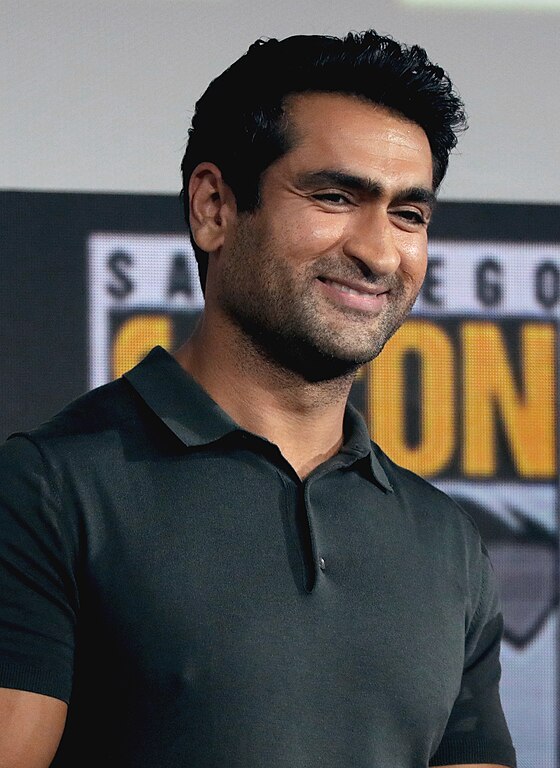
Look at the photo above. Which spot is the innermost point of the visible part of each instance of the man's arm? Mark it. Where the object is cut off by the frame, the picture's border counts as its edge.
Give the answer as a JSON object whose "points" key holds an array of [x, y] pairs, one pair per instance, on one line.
{"points": [[37, 609], [31, 726], [477, 730]]}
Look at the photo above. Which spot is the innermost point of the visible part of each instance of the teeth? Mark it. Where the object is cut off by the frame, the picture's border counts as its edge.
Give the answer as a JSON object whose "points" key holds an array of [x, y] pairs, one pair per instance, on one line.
{"points": [[346, 289]]}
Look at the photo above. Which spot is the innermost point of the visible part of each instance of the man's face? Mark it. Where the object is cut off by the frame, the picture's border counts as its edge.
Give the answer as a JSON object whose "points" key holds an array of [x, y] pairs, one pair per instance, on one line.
{"points": [[329, 265]]}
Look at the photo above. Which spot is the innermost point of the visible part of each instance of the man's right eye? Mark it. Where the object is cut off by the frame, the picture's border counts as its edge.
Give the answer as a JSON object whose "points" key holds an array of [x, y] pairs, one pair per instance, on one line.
{"points": [[337, 198]]}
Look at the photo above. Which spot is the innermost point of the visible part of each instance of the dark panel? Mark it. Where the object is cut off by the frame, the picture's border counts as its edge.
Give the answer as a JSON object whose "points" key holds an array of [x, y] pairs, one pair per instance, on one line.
{"points": [[43, 291]]}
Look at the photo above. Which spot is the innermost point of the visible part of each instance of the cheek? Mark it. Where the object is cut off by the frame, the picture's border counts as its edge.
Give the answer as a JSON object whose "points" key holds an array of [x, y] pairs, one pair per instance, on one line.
{"points": [[314, 236], [414, 257]]}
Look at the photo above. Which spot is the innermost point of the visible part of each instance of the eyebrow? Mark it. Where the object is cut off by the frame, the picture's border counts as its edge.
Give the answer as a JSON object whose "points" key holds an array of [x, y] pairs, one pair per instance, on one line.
{"points": [[366, 186]]}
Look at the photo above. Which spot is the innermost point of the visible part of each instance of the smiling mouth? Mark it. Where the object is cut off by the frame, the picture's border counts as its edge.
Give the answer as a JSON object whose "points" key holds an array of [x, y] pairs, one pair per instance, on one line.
{"points": [[354, 295], [365, 290]]}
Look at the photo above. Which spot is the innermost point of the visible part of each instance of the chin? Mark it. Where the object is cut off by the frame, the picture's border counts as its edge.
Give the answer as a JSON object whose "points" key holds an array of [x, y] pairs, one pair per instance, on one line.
{"points": [[316, 364]]}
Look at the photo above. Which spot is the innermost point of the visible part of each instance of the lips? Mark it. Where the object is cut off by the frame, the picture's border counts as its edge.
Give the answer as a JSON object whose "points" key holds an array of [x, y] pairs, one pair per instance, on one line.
{"points": [[358, 289], [355, 294]]}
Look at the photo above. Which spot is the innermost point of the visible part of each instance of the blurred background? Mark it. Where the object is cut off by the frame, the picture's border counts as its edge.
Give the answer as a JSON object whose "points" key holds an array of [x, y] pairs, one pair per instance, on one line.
{"points": [[96, 99]]}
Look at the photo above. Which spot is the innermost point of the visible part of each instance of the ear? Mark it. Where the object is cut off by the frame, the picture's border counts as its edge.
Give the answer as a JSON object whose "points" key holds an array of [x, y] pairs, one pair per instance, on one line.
{"points": [[211, 207]]}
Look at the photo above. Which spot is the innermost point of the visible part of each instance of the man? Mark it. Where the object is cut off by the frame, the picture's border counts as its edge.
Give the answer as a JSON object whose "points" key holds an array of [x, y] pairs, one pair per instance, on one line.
{"points": [[208, 559]]}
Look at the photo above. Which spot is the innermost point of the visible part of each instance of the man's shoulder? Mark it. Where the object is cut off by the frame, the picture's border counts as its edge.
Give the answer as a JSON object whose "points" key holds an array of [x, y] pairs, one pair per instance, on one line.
{"points": [[92, 420], [92, 412], [430, 504]]}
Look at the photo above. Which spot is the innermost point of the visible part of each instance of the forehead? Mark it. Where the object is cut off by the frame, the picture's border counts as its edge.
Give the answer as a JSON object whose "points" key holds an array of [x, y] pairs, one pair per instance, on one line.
{"points": [[353, 134]]}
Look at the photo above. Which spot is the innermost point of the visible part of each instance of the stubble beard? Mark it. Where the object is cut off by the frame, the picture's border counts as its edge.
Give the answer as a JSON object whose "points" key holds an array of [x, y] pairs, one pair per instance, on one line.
{"points": [[284, 322]]}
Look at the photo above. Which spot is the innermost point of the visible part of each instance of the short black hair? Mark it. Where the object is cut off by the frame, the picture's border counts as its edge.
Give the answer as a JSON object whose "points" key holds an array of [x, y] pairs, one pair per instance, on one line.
{"points": [[239, 125]]}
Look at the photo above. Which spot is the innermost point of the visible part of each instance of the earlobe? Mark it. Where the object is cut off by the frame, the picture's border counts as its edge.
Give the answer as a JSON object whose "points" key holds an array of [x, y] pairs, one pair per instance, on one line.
{"points": [[210, 200]]}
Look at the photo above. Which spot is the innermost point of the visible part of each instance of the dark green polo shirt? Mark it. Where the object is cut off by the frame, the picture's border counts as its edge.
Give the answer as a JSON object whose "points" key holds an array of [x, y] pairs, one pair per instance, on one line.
{"points": [[199, 606]]}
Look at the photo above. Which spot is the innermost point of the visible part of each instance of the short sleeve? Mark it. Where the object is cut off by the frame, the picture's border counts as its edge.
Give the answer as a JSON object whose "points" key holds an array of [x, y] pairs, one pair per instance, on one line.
{"points": [[38, 595], [477, 731]]}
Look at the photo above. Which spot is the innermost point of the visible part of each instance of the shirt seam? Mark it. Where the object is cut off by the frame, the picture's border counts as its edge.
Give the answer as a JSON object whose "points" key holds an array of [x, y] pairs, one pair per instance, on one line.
{"points": [[50, 477], [476, 616], [287, 510]]}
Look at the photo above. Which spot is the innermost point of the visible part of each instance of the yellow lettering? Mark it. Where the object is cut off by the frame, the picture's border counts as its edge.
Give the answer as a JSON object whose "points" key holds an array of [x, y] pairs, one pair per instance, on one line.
{"points": [[527, 412], [387, 396], [136, 336]]}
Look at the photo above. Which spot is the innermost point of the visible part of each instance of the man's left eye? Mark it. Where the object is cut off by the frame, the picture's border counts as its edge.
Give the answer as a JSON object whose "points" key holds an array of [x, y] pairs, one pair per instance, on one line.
{"points": [[414, 217]]}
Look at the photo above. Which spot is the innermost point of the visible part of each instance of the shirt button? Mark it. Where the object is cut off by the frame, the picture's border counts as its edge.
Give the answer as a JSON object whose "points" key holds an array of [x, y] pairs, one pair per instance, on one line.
{"points": [[322, 564]]}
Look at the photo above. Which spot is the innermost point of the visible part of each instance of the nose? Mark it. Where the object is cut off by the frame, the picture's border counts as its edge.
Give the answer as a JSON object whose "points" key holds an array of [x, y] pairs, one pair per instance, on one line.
{"points": [[370, 240]]}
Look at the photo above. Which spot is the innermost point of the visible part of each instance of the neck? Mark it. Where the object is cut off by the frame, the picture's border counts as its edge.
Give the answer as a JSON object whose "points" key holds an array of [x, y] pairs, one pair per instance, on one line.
{"points": [[304, 419]]}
